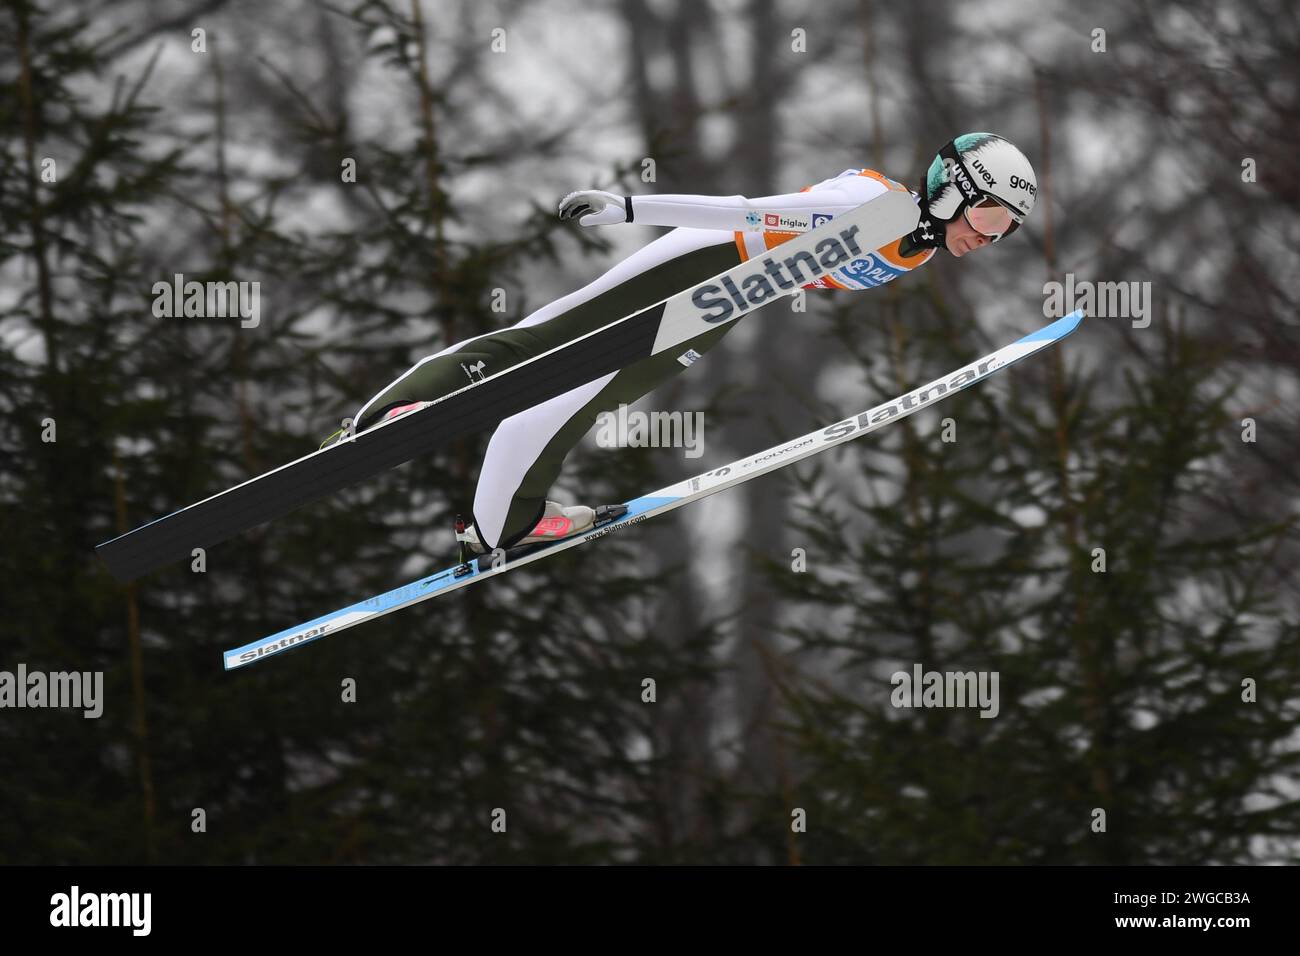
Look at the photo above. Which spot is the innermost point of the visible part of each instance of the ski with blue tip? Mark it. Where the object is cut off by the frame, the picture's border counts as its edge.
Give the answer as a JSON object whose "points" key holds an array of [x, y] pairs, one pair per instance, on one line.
{"points": [[659, 502]]}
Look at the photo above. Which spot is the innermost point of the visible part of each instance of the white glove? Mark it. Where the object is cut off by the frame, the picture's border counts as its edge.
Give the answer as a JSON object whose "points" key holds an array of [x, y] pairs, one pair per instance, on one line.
{"points": [[591, 207]]}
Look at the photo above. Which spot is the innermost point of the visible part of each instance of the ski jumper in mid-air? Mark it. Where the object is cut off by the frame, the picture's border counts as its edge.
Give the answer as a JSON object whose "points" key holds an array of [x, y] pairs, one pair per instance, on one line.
{"points": [[977, 190]]}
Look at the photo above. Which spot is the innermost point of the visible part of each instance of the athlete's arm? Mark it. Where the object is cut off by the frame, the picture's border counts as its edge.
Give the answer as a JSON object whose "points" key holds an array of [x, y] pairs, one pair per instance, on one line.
{"points": [[788, 212]]}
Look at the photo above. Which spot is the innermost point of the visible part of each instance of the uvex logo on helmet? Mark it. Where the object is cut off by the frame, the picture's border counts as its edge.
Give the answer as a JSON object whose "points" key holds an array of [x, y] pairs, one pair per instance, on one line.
{"points": [[958, 176], [984, 172]]}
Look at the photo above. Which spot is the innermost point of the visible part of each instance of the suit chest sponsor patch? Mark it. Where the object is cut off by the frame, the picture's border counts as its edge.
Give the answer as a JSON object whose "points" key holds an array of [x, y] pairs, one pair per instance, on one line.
{"points": [[867, 272]]}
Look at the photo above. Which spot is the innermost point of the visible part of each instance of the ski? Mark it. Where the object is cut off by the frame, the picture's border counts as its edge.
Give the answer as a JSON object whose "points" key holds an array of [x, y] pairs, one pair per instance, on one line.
{"points": [[477, 406], [664, 500]]}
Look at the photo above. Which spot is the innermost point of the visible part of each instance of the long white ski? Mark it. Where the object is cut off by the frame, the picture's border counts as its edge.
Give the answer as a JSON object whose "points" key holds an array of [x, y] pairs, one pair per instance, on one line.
{"points": [[666, 499]]}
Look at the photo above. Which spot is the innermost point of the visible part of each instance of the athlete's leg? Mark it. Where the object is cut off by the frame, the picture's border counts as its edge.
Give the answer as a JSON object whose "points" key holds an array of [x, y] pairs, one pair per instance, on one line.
{"points": [[527, 450], [437, 375], [657, 270]]}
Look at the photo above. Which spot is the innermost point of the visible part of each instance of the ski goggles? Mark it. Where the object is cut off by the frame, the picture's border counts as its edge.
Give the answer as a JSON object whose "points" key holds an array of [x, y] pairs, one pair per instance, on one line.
{"points": [[990, 218]]}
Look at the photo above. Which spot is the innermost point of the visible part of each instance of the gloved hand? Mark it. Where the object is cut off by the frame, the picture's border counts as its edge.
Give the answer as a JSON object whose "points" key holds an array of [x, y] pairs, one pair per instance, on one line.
{"points": [[592, 207]]}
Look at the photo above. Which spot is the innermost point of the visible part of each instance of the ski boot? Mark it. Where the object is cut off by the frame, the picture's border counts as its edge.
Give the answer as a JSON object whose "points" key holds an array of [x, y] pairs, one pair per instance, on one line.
{"points": [[558, 522], [395, 412]]}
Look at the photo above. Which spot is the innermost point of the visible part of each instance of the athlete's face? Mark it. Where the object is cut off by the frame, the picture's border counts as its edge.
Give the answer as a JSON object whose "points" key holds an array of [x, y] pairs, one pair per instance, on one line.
{"points": [[961, 238]]}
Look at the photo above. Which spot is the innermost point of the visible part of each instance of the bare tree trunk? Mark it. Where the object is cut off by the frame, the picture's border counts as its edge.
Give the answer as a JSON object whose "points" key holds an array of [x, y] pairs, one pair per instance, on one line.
{"points": [[772, 359], [139, 717], [669, 118]]}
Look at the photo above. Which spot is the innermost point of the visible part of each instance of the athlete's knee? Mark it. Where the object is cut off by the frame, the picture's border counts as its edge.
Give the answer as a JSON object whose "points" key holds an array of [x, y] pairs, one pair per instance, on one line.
{"points": [[501, 520]]}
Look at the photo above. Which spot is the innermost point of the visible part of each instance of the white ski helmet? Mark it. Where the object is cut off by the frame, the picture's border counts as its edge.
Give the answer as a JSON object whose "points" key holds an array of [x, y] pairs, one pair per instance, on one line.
{"points": [[979, 166]]}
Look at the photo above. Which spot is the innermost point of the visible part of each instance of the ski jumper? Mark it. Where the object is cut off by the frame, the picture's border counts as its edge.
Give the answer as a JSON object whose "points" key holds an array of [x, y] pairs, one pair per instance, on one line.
{"points": [[710, 234]]}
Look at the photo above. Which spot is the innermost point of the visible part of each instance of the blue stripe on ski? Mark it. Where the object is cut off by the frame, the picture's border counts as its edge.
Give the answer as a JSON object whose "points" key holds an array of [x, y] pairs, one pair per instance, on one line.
{"points": [[389, 600], [1058, 329], [639, 506]]}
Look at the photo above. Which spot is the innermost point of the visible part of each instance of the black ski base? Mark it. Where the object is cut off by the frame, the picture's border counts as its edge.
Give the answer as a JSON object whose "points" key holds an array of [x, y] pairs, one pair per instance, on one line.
{"points": [[473, 409]]}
